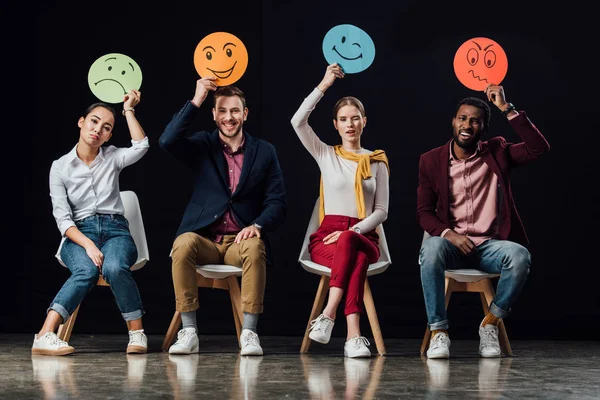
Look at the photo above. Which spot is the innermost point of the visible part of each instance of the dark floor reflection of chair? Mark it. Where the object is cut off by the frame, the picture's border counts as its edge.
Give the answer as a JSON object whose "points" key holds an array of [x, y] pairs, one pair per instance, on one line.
{"points": [[247, 371], [493, 377], [55, 375], [181, 373], [136, 369]]}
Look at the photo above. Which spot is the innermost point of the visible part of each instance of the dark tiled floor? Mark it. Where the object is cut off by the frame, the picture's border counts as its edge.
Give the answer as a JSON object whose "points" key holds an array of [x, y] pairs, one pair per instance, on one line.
{"points": [[100, 369]]}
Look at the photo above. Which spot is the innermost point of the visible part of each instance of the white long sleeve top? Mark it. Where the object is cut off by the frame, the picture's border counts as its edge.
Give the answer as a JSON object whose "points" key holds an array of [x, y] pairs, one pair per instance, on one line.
{"points": [[339, 174]]}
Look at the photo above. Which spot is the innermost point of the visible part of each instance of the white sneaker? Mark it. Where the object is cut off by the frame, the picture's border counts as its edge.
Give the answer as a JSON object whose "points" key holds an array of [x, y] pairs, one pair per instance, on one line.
{"points": [[320, 330], [50, 345], [138, 342], [357, 347], [439, 346], [187, 342], [250, 344], [489, 346]]}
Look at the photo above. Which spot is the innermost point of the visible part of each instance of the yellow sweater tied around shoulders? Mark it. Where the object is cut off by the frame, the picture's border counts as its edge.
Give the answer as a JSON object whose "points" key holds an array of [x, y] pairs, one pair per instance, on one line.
{"points": [[363, 171]]}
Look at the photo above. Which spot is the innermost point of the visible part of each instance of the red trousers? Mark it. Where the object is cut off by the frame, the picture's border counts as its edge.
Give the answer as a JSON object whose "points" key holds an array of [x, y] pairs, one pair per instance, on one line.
{"points": [[348, 258]]}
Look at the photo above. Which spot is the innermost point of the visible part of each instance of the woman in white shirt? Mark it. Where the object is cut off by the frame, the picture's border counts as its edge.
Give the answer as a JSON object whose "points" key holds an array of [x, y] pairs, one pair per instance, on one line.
{"points": [[354, 201], [87, 207]]}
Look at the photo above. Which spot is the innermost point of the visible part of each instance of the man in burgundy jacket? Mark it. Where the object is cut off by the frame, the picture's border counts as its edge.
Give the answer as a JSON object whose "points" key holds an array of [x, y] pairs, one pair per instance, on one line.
{"points": [[465, 205]]}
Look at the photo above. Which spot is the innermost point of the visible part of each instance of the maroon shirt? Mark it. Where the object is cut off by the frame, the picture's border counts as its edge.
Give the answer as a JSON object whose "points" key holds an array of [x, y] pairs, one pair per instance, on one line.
{"points": [[226, 225]]}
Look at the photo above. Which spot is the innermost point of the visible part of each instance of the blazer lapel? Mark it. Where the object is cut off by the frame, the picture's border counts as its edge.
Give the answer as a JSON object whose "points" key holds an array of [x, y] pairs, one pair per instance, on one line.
{"points": [[249, 156], [219, 159], [491, 161], [444, 161]]}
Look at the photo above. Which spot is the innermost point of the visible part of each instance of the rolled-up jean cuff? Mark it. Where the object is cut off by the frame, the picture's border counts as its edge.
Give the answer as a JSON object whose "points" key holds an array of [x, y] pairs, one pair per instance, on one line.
{"points": [[439, 325], [497, 311], [132, 316], [64, 314]]}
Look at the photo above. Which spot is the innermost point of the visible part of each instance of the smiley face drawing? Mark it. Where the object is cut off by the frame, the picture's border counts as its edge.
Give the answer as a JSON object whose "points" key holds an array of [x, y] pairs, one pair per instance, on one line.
{"points": [[350, 47], [113, 75], [480, 61], [222, 55]]}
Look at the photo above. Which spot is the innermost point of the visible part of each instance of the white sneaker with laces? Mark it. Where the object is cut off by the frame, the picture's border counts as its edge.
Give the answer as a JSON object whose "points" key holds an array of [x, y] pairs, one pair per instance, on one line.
{"points": [[321, 328], [138, 342], [488, 341], [439, 346], [250, 344], [357, 347], [50, 345], [187, 342]]}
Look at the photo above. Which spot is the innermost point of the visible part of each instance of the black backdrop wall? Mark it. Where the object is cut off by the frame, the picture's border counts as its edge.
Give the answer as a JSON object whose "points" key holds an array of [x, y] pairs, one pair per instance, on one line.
{"points": [[409, 93]]}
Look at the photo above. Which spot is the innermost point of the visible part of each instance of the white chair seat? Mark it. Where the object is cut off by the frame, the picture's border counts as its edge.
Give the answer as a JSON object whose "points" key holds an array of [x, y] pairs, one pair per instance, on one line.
{"points": [[218, 271], [469, 275], [313, 267]]}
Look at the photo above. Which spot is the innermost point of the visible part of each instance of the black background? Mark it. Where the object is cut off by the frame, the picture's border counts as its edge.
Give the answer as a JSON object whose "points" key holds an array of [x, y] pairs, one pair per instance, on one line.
{"points": [[409, 92]]}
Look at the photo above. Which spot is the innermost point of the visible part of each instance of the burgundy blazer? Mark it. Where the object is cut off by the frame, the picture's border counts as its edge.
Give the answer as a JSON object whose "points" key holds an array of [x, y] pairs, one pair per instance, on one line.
{"points": [[433, 191]]}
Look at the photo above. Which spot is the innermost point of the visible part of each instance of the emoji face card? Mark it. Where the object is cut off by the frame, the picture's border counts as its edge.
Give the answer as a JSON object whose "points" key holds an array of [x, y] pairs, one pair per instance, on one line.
{"points": [[223, 55], [480, 61]]}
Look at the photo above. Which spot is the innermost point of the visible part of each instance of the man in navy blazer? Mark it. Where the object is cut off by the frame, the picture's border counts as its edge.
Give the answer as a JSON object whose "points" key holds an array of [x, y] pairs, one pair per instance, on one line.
{"points": [[238, 196], [465, 202]]}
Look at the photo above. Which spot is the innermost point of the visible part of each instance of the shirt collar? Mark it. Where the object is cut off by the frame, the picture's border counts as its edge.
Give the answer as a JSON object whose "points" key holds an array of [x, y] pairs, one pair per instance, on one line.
{"points": [[228, 150], [72, 155], [476, 154]]}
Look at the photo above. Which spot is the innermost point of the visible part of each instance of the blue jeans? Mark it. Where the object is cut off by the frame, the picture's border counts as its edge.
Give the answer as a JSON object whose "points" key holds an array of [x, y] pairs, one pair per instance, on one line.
{"points": [[509, 259], [110, 233]]}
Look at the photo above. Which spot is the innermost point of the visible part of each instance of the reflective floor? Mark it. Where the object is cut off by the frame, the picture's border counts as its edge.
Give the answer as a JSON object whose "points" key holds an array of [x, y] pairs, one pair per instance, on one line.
{"points": [[101, 369]]}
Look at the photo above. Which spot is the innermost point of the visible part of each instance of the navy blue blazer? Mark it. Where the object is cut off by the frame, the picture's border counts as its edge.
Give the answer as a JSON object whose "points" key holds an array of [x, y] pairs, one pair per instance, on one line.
{"points": [[260, 194]]}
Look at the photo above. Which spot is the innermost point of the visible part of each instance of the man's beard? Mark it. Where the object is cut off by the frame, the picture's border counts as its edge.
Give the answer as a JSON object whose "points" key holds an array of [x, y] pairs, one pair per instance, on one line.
{"points": [[469, 144], [236, 132]]}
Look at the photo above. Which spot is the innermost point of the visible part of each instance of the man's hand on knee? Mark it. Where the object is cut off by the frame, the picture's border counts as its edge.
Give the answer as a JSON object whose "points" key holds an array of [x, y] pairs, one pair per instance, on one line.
{"points": [[246, 233]]}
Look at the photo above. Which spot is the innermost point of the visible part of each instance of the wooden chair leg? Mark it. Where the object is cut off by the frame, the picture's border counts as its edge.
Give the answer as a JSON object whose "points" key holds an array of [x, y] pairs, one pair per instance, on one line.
{"points": [[486, 299], [236, 305], [503, 338], [426, 340], [449, 287], [373, 320], [172, 331], [65, 329], [316, 310]]}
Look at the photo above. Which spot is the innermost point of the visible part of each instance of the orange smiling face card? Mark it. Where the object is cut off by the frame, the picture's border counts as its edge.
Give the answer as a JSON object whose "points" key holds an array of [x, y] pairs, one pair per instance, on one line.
{"points": [[479, 62], [223, 55]]}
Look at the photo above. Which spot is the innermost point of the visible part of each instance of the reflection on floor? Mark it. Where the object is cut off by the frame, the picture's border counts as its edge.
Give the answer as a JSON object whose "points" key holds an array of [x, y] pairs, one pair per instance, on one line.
{"points": [[101, 369]]}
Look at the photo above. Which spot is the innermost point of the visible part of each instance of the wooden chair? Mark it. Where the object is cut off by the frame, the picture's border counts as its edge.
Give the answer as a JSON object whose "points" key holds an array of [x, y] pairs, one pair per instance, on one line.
{"points": [[133, 213], [216, 276], [325, 273], [473, 281]]}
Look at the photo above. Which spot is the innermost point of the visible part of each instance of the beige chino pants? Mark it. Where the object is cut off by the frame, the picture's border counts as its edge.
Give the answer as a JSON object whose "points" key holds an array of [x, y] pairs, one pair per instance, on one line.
{"points": [[190, 249]]}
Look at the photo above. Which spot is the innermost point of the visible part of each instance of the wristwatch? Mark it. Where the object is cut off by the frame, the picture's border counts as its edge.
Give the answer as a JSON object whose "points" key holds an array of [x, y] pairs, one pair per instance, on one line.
{"points": [[510, 108], [356, 229], [257, 226]]}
